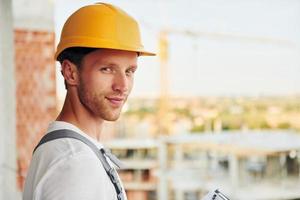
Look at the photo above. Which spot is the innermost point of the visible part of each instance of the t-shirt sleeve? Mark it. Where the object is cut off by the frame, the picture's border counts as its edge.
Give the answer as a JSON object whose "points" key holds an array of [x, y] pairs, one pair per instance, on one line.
{"points": [[79, 177]]}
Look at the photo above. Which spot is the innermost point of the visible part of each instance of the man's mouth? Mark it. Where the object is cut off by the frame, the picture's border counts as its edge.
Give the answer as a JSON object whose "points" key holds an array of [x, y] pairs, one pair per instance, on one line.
{"points": [[116, 101]]}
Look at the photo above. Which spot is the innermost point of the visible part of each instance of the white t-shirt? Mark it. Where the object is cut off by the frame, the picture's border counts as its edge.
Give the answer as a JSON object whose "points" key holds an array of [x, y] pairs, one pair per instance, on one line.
{"points": [[66, 169]]}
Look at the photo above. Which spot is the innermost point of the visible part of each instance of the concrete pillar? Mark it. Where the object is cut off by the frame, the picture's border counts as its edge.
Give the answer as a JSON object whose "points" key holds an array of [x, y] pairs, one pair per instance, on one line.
{"points": [[234, 173], [8, 187], [179, 193], [163, 179]]}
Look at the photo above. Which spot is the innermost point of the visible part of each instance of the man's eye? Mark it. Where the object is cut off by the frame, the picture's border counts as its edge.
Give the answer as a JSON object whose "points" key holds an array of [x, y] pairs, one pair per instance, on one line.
{"points": [[106, 69], [130, 72]]}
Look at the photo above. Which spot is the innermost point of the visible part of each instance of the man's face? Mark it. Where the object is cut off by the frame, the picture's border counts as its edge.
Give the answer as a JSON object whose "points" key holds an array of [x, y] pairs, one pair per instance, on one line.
{"points": [[106, 79]]}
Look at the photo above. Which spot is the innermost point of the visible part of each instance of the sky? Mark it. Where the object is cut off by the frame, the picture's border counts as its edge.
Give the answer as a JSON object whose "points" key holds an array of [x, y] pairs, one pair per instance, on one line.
{"points": [[241, 47]]}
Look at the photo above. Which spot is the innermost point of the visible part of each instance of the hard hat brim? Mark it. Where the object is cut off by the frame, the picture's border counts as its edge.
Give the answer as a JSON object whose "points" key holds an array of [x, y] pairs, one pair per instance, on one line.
{"points": [[101, 45]]}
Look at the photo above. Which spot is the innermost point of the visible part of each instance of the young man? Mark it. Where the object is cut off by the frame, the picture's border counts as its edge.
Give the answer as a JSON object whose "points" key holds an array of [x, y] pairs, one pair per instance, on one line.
{"points": [[98, 52]]}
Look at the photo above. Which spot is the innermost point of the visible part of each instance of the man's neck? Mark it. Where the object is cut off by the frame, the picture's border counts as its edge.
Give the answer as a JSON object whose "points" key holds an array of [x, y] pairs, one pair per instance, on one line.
{"points": [[76, 115]]}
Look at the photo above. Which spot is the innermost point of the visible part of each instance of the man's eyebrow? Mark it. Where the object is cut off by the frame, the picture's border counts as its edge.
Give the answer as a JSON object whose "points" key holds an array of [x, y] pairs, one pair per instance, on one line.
{"points": [[133, 66], [112, 64], [103, 62]]}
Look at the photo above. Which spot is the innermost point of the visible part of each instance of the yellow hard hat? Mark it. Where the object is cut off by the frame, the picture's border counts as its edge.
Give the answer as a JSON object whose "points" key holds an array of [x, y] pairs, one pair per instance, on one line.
{"points": [[101, 25]]}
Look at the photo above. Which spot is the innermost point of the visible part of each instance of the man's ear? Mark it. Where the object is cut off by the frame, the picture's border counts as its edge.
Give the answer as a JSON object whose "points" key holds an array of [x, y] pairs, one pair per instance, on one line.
{"points": [[70, 73]]}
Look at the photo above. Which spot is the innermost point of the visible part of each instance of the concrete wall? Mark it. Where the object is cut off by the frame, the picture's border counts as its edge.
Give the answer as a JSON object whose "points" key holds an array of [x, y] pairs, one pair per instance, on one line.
{"points": [[27, 86], [34, 14], [7, 104], [34, 40]]}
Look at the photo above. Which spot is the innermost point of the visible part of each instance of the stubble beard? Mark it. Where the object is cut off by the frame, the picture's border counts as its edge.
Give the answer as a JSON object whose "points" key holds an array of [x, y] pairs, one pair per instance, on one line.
{"points": [[97, 104]]}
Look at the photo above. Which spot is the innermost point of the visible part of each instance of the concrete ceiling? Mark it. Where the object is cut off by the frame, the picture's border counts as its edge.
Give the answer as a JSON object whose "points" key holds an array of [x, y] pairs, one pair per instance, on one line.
{"points": [[34, 14]]}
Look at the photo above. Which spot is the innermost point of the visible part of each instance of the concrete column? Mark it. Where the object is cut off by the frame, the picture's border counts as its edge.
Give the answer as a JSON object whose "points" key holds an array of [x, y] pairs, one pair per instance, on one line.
{"points": [[8, 187], [179, 193], [234, 173], [163, 179]]}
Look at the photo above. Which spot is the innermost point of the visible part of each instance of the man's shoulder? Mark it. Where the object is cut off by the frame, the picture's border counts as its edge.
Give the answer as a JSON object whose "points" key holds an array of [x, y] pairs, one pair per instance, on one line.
{"points": [[63, 161], [63, 148], [74, 174]]}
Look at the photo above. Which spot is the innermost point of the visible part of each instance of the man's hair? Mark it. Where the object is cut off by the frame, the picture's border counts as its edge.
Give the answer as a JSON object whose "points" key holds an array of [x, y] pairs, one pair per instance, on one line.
{"points": [[74, 55]]}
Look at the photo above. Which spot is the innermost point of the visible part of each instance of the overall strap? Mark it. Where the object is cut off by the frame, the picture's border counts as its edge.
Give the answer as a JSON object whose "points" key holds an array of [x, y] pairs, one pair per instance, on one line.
{"points": [[66, 133]]}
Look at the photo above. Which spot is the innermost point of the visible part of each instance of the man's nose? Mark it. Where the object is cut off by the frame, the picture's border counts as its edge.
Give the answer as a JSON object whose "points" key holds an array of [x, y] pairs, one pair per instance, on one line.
{"points": [[120, 83]]}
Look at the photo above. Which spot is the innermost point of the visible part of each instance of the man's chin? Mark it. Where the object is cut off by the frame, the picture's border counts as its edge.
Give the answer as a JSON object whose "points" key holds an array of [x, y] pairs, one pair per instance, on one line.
{"points": [[112, 118]]}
